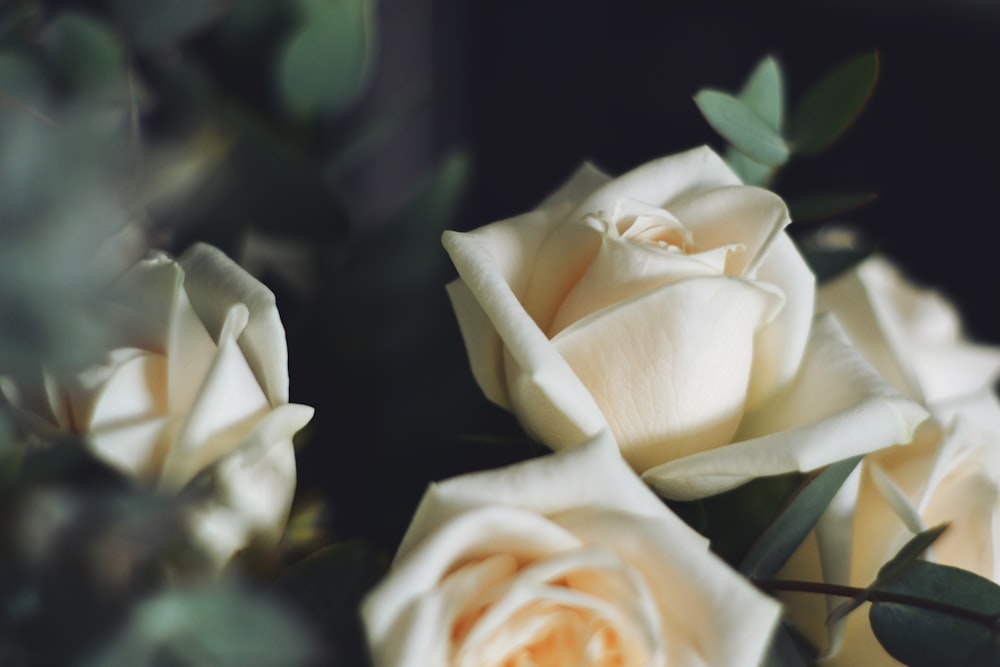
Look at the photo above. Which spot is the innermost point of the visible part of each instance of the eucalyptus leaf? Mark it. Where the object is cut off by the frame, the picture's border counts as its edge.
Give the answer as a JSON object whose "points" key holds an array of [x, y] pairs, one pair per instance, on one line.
{"points": [[220, 626], [958, 630], [325, 64], [799, 516], [910, 551], [831, 105], [85, 53], [742, 127], [750, 172], [764, 92], [818, 207]]}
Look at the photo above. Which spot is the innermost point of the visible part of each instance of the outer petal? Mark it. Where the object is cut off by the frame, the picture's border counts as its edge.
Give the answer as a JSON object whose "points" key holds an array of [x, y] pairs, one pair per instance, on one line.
{"points": [[215, 284], [715, 611], [684, 354], [779, 346], [663, 181], [591, 475], [550, 398], [249, 493], [837, 407], [912, 336]]}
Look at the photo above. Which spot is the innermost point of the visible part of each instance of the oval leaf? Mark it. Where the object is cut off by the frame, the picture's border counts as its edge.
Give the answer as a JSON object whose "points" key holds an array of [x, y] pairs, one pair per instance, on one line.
{"points": [[921, 636], [764, 92], [786, 532], [830, 106], [85, 52], [745, 130], [324, 66], [750, 172]]}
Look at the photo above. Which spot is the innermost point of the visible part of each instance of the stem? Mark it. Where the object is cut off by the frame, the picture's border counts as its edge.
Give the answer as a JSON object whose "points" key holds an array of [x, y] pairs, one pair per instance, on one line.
{"points": [[773, 585]]}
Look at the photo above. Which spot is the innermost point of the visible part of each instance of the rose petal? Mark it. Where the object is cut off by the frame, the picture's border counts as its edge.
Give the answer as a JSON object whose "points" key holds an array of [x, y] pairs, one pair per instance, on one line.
{"points": [[134, 389], [482, 343], [779, 347], [677, 400], [879, 341], [535, 373], [403, 616], [228, 405], [700, 598], [660, 182], [591, 475], [136, 449], [623, 269], [215, 284], [837, 407]]}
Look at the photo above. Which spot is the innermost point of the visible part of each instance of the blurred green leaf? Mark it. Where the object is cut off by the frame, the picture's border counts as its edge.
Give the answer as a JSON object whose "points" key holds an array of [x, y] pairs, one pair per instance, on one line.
{"points": [[85, 53], [764, 92], [22, 84], [742, 127], [923, 636], [329, 585], [830, 106], [156, 24], [750, 172], [325, 64], [798, 517], [219, 626], [818, 207]]}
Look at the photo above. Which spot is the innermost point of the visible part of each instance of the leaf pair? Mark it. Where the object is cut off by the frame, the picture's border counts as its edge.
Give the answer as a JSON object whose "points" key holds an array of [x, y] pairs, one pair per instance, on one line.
{"points": [[753, 121]]}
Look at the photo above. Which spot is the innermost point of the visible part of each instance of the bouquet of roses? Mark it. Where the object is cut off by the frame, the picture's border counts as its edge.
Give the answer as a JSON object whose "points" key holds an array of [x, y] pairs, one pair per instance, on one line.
{"points": [[716, 445]]}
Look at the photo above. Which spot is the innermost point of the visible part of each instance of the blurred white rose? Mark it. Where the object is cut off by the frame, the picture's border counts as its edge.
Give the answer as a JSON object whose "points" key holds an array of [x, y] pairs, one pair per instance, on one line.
{"points": [[563, 560], [669, 306], [950, 473], [196, 385]]}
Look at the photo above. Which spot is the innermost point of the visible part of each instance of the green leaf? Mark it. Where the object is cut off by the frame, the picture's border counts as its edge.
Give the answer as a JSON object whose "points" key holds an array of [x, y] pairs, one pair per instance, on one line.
{"points": [[896, 566], [750, 172], [742, 127], [910, 551], [922, 636], [818, 207], [830, 106], [225, 627], [325, 64], [793, 524], [156, 24], [84, 52], [764, 92]]}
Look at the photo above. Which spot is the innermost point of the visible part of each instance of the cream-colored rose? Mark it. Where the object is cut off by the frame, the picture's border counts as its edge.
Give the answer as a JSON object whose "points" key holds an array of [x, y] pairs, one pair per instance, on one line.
{"points": [[950, 473], [912, 336], [669, 306], [563, 560], [197, 385]]}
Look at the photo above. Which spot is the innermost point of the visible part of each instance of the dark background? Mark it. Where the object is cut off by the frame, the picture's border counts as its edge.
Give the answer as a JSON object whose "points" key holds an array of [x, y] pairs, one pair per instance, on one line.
{"points": [[534, 88]]}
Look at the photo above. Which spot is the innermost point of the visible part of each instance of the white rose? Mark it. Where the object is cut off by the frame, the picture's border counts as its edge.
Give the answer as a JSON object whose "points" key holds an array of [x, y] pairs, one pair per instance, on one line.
{"points": [[669, 306], [563, 560], [913, 337], [950, 472], [197, 384]]}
